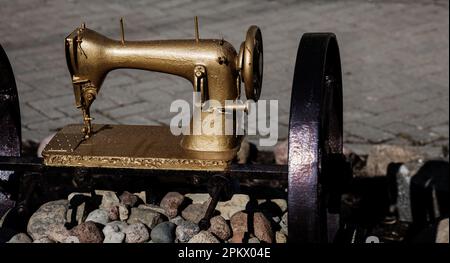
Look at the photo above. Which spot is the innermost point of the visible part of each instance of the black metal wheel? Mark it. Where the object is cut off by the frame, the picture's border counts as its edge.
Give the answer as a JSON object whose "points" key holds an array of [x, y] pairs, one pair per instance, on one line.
{"points": [[315, 140], [10, 127]]}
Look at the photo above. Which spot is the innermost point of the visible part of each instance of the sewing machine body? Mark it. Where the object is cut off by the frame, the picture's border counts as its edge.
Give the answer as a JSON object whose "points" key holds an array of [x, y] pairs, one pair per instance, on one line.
{"points": [[213, 67]]}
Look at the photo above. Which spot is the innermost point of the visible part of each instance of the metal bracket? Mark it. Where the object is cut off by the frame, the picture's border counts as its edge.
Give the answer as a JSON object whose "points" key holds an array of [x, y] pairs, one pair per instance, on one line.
{"points": [[201, 82]]}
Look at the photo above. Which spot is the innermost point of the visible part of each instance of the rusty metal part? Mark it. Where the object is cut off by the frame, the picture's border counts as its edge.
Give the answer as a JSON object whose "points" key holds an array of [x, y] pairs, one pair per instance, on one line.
{"points": [[315, 136], [219, 189], [209, 64], [239, 171], [10, 132], [258, 181], [150, 147]]}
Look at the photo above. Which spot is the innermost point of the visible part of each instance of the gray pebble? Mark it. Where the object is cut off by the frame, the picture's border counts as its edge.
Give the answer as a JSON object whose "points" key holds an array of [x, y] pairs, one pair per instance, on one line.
{"points": [[186, 230], [114, 227], [114, 237], [48, 214], [20, 238], [98, 216], [71, 239], [136, 233], [109, 199], [44, 240], [194, 212], [170, 203], [148, 217], [204, 237], [163, 233], [253, 240], [177, 220], [220, 228], [58, 232], [123, 212]]}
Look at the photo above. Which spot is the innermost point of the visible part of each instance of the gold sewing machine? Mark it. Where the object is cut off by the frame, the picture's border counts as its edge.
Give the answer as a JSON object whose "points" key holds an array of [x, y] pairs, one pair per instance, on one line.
{"points": [[213, 67]]}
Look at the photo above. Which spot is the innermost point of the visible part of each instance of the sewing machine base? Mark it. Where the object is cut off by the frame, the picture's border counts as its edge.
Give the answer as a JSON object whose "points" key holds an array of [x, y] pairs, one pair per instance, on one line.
{"points": [[129, 146]]}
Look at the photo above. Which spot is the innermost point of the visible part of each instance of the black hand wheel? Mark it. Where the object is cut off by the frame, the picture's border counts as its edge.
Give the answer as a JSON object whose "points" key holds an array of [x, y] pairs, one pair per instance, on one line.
{"points": [[315, 138], [10, 127]]}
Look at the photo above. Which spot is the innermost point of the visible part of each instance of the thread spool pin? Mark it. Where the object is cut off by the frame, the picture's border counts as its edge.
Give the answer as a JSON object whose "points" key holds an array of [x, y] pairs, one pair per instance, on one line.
{"points": [[122, 31]]}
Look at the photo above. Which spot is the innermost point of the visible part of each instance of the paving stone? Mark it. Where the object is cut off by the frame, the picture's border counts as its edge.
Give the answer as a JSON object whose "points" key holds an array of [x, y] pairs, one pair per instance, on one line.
{"points": [[370, 134]]}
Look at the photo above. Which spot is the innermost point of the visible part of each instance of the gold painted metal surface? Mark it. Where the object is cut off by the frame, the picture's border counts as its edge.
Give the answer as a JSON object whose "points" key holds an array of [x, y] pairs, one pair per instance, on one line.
{"points": [[211, 65], [131, 146]]}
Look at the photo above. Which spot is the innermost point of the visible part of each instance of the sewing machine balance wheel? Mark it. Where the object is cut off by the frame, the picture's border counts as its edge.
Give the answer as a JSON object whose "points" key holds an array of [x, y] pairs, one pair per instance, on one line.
{"points": [[251, 57], [316, 165]]}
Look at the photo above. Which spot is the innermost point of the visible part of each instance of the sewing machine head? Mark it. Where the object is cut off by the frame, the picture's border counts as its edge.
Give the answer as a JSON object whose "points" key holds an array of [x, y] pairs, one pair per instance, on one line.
{"points": [[213, 67]]}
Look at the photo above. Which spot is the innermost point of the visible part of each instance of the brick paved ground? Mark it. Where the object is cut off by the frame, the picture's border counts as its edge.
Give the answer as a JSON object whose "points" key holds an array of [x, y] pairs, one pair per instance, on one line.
{"points": [[394, 54]]}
